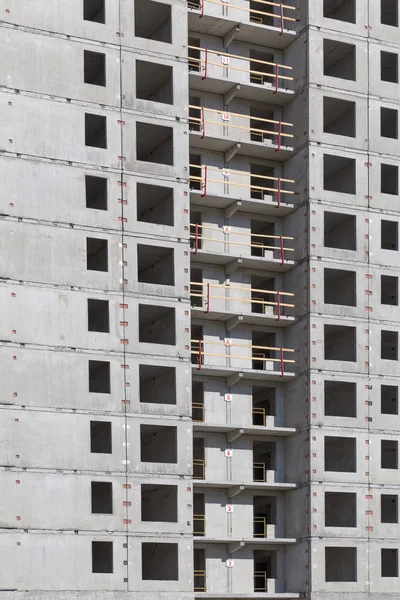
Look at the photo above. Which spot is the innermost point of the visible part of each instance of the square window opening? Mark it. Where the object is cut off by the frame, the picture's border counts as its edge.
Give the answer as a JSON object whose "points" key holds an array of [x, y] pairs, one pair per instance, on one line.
{"points": [[340, 231], [340, 343], [157, 325], [340, 563], [155, 265], [157, 384], [154, 143], [339, 174], [95, 131], [155, 204], [158, 444], [340, 399], [339, 60], [154, 82], [94, 10], [339, 117], [340, 287], [159, 503], [153, 21], [340, 509], [340, 454], [160, 562]]}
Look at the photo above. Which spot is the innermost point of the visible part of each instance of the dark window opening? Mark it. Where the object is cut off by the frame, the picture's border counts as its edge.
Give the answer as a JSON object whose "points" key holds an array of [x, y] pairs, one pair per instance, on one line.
{"points": [[102, 557], [96, 192], [94, 71], [95, 131], [100, 437], [99, 377], [102, 501]]}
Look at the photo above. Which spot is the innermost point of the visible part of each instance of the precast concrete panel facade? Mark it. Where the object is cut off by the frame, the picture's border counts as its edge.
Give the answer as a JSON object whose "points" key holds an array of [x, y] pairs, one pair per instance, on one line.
{"points": [[199, 335]]}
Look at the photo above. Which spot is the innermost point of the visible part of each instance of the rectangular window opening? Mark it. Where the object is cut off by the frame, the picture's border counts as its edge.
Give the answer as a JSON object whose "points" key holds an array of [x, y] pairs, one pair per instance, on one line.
{"points": [[340, 10], [340, 287], [389, 562], [389, 345], [389, 290], [99, 377], [389, 235], [340, 343], [154, 82], [389, 508], [155, 204], [389, 128], [389, 179], [390, 13], [340, 231], [100, 437], [98, 315], [102, 557], [389, 67], [157, 325], [340, 509], [340, 563], [102, 501], [95, 131], [154, 143], [94, 70], [96, 254], [389, 454], [389, 400], [160, 562], [96, 192]]}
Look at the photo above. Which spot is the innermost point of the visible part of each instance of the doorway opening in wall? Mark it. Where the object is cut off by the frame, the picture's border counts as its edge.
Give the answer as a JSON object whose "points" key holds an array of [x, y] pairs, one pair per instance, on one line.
{"points": [[264, 569], [263, 349], [264, 516], [264, 459], [199, 515], [198, 458], [196, 231], [198, 412], [262, 67], [261, 130], [260, 298], [199, 566], [260, 187], [262, 245], [263, 405], [195, 172], [196, 288]]}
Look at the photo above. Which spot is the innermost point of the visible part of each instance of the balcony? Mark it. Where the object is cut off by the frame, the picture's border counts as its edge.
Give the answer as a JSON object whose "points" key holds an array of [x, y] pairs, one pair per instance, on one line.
{"points": [[229, 132], [257, 21], [225, 359], [244, 191], [234, 76], [240, 305], [236, 249]]}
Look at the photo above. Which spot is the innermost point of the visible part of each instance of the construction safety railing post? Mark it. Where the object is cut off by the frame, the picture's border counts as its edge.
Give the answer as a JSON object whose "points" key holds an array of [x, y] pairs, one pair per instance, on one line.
{"points": [[204, 183], [279, 306], [203, 124], [208, 298], [279, 136]]}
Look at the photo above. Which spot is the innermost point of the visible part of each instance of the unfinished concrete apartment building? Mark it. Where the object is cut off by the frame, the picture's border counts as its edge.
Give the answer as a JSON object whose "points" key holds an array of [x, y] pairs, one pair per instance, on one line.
{"points": [[199, 244]]}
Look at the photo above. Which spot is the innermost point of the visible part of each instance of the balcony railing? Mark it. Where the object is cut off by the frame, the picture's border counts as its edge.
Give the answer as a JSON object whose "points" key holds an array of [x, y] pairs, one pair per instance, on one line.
{"points": [[257, 354], [259, 417], [199, 525], [212, 180], [260, 581], [198, 412], [260, 527], [213, 63], [209, 121], [199, 468], [259, 471], [257, 246], [262, 15], [200, 580], [208, 292]]}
